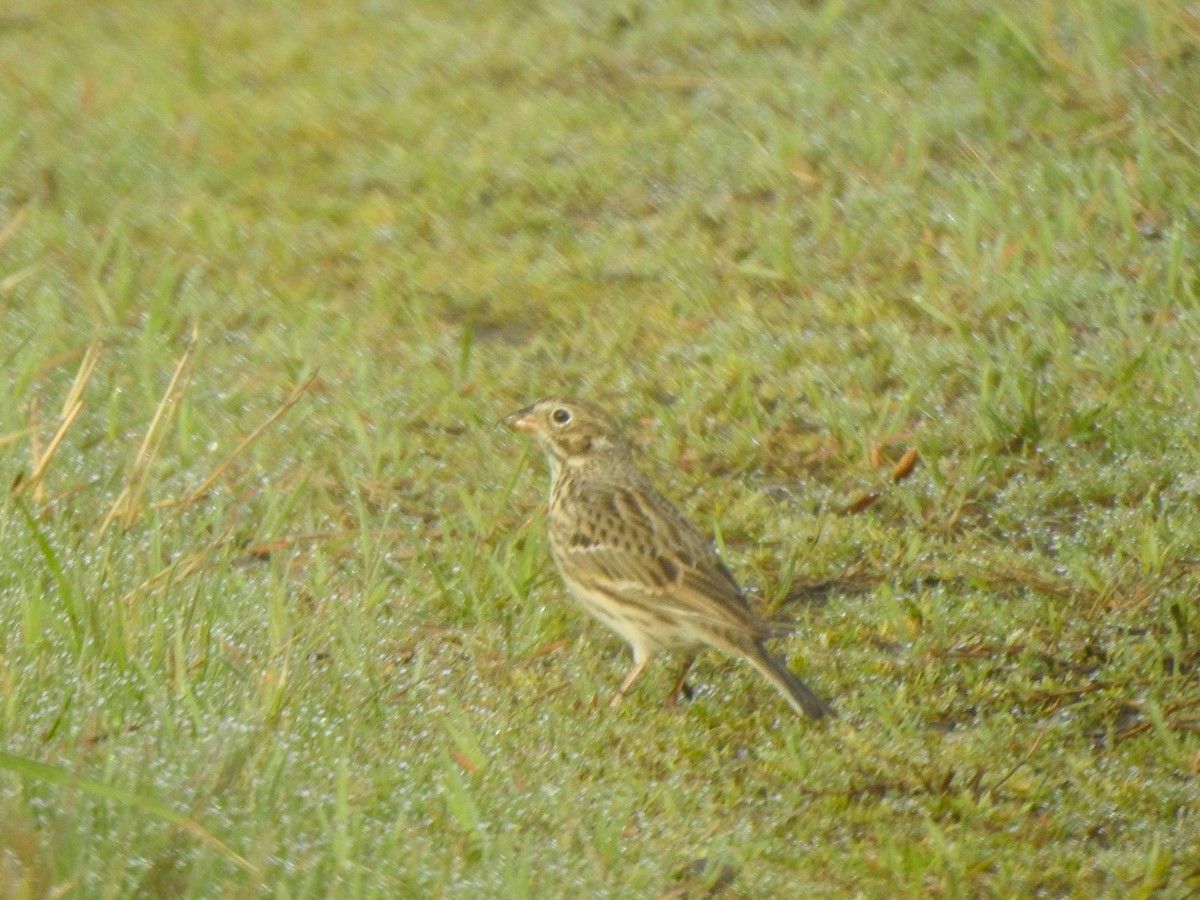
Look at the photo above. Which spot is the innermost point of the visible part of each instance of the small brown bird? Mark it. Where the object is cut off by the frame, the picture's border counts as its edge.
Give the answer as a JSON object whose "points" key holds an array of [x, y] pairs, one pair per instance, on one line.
{"points": [[635, 561]]}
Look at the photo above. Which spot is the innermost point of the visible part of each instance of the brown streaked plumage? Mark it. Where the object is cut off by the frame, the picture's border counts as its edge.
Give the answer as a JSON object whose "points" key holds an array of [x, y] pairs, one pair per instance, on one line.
{"points": [[635, 561]]}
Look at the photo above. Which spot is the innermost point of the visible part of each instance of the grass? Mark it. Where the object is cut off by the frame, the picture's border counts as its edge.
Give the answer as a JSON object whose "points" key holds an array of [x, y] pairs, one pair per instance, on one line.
{"points": [[276, 611]]}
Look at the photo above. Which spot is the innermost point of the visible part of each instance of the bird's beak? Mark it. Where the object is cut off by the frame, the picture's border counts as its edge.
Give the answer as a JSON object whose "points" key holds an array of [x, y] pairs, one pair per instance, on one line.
{"points": [[521, 420]]}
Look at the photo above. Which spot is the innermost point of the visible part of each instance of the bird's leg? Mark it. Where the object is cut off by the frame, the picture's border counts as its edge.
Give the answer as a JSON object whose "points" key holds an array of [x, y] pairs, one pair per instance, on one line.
{"points": [[680, 686], [639, 663]]}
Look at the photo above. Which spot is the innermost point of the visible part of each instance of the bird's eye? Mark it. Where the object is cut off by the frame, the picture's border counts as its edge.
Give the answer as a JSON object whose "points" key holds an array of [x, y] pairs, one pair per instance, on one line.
{"points": [[561, 416]]}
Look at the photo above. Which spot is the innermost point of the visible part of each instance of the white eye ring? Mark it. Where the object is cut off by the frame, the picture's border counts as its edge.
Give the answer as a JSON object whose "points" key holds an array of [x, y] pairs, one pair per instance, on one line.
{"points": [[561, 416]]}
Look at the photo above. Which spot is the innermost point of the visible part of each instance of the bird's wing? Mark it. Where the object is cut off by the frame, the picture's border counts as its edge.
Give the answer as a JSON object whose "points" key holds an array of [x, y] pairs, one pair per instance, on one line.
{"points": [[634, 540]]}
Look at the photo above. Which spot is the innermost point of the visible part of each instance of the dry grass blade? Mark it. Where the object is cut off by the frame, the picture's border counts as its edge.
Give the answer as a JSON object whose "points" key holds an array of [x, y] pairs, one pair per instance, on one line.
{"points": [[14, 225], [265, 548], [201, 489], [70, 411], [905, 465], [179, 569], [902, 469], [11, 281], [126, 504], [87, 365], [14, 436], [861, 502], [35, 441], [6, 234]]}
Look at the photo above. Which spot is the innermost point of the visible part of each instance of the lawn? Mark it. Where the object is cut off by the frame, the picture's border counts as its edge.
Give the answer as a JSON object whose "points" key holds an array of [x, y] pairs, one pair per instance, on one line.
{"points": [[277, 614]]}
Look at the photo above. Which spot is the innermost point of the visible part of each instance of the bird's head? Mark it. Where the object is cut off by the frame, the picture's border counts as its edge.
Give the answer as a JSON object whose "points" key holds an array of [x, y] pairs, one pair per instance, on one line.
{"points": [[569, 431]]}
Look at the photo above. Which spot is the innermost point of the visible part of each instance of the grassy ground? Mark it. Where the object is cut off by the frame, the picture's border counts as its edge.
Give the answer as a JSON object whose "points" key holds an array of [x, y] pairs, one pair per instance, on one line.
{"points": [[276, 611]]}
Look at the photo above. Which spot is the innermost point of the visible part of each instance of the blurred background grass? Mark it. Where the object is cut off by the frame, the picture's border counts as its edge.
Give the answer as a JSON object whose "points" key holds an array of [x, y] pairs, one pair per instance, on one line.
{"points": [[317, 649]]}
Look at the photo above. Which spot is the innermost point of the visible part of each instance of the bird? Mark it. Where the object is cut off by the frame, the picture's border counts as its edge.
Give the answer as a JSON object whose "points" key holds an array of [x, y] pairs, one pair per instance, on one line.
{"points": [[635, 561]]}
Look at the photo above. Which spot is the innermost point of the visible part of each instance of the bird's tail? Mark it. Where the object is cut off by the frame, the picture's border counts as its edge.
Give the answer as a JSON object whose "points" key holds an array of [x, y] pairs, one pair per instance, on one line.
{"points": [[798, 694]]}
